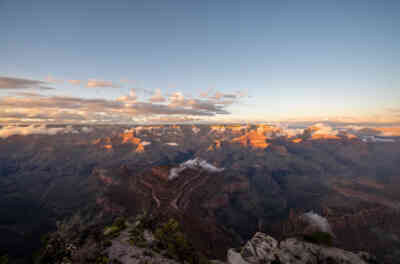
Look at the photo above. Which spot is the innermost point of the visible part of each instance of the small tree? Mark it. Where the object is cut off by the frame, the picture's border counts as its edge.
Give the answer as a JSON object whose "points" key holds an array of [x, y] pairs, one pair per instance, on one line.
{"points": [[4, 259], [173, 240], [319, 237]]}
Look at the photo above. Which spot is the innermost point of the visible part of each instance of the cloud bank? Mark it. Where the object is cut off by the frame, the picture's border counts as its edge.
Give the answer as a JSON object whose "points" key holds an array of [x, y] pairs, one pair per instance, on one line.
{"points": [[10, 83], [35, 107], [9, 131]]}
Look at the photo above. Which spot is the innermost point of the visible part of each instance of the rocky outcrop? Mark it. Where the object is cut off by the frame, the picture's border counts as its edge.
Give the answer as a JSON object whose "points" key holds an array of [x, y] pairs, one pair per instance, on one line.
{"points": [[265, 249]]}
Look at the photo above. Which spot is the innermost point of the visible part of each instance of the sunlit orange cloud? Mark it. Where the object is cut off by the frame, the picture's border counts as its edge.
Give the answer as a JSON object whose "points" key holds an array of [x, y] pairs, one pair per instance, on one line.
{"points": [[50, 79], [29, 107], [92, 83], [74, 82], [389, 131]]}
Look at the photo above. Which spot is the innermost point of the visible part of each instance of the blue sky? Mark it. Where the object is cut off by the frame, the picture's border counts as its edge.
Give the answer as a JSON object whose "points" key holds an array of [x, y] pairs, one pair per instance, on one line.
{"points": [[293, 59]]}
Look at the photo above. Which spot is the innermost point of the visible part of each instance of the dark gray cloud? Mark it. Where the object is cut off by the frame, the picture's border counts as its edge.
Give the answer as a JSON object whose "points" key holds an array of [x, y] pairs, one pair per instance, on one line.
{"points": [[20, 83], [230, 96]]}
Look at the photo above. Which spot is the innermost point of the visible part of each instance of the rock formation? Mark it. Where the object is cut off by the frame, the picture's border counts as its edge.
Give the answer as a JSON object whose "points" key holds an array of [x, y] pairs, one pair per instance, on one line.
{"points": [[265, 249]]}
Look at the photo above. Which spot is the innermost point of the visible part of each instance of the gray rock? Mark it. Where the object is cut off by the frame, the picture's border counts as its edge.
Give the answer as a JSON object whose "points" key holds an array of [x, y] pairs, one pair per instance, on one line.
{"points": [[266, 250], [260, 248]]}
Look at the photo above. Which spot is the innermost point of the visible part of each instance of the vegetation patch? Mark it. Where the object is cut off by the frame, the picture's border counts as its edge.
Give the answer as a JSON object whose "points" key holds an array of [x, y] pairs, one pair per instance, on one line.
{"points": [[115, 229], [320, 238], [4, 259], [172, 240]]}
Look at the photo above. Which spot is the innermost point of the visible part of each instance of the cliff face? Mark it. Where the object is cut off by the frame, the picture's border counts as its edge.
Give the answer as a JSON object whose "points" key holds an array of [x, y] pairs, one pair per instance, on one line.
{"points": [[121, 171], [145, 239], [265, 249]]}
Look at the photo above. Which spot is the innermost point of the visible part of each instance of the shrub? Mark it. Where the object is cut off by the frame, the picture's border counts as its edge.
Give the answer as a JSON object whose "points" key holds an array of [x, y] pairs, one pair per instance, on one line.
{"points": [[102, 260], [136, 237], [115, 229], [148, 253], [173, 241], [3, 259], [319, 237]]}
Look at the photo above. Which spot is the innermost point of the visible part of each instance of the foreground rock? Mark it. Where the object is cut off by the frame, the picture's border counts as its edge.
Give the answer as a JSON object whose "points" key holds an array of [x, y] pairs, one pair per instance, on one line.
{"points": [[265, 249]]}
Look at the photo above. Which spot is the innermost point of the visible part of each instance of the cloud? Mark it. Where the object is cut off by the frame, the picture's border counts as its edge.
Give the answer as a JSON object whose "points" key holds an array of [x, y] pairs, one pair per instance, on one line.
{"points": [[20, 83], [9, 131], [33, 107], [207, 105], [172, 119], [75, 82], [317, 221], [157, 97], [219, 96], [230, 96], [394, 110], [206, 94], [293, 132], [324, 129], [366, 131], [195, 163], [128, 99], [92, 83], [176, 99], [28, 94], [40, 115], [125, 109], [50, 79], [159, 109]]}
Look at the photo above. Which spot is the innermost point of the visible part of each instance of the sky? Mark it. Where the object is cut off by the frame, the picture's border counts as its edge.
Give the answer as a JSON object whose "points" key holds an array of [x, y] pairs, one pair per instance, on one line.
{"points": [[199, 61]]}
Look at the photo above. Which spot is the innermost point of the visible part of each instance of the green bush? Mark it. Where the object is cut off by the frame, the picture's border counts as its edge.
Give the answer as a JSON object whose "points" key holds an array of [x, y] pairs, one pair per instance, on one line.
{"points": [[319, 237], [102, 260], [115, 229], [136, 237], [120, 223], [173, 241], [3, 259]]}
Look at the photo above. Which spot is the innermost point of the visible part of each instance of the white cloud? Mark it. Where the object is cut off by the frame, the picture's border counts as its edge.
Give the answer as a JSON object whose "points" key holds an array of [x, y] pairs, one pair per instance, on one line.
{"points": [[128, 99], [195, 163], [8, 131], [293, 132], [323, 129], [157, 97], [176, 99], [318, 221]]}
